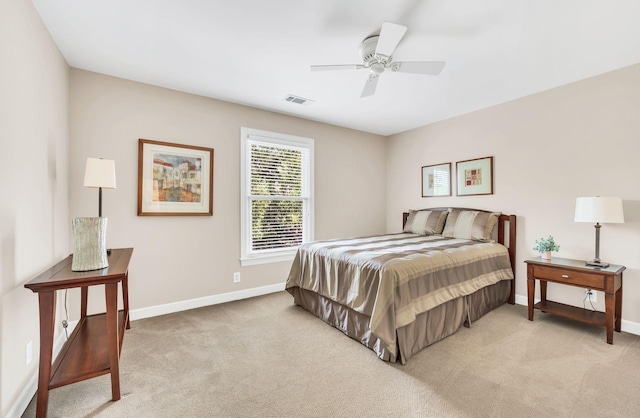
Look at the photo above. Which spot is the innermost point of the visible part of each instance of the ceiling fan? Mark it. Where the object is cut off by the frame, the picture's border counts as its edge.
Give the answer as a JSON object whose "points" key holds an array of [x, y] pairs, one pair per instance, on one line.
{"points": [[376, 53]]}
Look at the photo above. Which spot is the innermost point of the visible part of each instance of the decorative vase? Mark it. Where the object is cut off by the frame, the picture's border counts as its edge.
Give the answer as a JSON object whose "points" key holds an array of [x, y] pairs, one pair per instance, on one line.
{"points": [[545, 255], [90, 242]]}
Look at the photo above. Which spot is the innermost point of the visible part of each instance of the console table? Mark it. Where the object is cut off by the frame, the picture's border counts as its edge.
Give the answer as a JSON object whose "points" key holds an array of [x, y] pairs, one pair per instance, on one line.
{"points": [[576, 273], [94, 346]]}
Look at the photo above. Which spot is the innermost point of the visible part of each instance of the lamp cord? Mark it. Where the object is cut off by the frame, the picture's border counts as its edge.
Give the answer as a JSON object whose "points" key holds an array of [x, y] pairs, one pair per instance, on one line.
{"points": [[584, 305], [65, 322]]}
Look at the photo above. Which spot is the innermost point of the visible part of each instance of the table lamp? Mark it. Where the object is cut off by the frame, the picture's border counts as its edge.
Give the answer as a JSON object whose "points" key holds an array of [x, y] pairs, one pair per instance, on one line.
{"points": [[599, 210], [90, 234], [101, 174]]}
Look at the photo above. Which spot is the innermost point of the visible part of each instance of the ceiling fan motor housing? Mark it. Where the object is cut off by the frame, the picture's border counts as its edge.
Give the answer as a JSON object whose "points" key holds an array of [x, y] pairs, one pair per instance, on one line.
{"points": [[368, 52]]}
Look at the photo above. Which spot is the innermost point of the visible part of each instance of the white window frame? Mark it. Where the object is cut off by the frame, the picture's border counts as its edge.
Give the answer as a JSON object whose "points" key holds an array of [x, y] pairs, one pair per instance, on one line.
{"points": [[247, 256]]}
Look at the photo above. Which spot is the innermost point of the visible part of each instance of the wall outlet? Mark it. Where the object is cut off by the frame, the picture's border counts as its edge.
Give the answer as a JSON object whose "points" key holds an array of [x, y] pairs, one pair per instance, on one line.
{"points": [[29, 353], [591, 295], [236, 277]]}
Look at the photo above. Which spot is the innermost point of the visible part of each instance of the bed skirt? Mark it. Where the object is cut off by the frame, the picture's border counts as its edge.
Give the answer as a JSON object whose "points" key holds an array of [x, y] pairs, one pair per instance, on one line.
{"points": [[428, 328]]}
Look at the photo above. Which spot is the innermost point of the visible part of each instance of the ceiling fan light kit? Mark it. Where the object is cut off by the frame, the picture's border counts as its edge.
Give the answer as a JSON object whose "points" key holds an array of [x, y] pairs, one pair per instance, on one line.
{"points": [[376, 52]]}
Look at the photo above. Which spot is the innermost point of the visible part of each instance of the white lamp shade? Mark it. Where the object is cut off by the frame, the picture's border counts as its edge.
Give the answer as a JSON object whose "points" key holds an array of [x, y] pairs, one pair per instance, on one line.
{"points": [[599, 210], [100, 173]]}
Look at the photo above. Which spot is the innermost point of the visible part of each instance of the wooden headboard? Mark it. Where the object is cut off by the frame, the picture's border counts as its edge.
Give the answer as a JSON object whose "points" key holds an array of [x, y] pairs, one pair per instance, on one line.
{"points": [[508, 240]]}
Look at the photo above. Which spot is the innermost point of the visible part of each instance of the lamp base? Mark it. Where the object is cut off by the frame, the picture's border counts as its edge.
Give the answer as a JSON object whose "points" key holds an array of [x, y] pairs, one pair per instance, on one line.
{"points": [[595, 263], [89, 235]]}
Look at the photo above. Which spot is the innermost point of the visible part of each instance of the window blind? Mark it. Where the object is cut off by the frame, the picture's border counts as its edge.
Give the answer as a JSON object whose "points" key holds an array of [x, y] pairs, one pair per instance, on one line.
{"points": [[279, 195]]}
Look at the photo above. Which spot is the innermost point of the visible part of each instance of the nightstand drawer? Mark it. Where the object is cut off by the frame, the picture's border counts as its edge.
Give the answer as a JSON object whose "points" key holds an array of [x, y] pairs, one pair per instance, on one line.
{"points": [[589, 280]]}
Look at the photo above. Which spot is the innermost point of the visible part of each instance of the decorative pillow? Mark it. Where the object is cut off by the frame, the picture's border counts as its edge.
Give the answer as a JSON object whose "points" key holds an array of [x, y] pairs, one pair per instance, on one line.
{"points": [[470, 224], [426, 222]]}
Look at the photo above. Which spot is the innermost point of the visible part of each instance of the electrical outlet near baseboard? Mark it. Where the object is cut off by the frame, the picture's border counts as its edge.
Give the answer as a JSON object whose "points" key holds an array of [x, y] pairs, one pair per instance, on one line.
{"points": [[236, 277], [591, 295], [29, 353]]}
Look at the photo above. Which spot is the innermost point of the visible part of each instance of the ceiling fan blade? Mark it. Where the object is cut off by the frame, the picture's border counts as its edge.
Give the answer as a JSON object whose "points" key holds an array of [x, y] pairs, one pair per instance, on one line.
{"points": [[390, 36], [370, 86], [418, 67], [336, 67]]}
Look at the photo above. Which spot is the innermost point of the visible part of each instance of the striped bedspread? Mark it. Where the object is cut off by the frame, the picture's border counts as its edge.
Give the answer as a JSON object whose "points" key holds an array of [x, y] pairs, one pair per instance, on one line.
{"points": [[393, 278]]}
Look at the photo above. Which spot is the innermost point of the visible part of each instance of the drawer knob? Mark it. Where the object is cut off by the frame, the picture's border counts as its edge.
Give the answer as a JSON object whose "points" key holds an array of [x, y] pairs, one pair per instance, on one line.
{"points": [[564, 276]]}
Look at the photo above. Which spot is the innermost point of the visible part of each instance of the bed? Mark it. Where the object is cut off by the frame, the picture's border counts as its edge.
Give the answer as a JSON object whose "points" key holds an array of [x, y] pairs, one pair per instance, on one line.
{"points": [[399, 293]]}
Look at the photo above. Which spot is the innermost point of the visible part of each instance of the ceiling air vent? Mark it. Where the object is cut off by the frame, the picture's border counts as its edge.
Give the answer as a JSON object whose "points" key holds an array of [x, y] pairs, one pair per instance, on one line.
{"points": [[297, 100]]}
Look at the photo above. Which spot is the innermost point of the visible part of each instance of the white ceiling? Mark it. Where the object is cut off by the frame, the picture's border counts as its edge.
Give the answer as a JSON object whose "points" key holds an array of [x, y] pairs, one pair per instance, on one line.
{"points": [[255, 52]]}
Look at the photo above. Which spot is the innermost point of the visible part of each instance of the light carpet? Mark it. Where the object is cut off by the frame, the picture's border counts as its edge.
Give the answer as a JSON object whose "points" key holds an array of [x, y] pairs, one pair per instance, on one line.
{"points": [[265, 357]]}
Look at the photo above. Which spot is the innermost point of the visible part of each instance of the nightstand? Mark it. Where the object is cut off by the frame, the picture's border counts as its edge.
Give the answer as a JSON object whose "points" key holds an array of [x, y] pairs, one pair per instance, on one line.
{"points": [[576, 273]]}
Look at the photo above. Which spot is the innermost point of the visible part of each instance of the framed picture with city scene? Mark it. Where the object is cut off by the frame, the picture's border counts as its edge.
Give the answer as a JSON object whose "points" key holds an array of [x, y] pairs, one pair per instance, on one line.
{"points": [[475, 177], [174, 179]]}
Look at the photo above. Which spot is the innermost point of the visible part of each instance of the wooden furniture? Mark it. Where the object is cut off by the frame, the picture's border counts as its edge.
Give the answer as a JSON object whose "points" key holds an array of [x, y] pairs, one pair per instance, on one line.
{"points": [[93, 349], [576, 273]]}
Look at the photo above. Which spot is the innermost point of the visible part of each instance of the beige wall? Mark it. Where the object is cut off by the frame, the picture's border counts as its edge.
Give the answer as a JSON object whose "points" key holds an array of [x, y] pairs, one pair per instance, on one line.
{"points": [[582, 139], [34, 214], [182, 258]]}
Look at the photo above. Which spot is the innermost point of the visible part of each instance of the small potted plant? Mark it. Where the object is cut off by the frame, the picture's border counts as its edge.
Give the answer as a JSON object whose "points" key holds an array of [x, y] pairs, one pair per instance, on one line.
{"points": [[544, 246]]}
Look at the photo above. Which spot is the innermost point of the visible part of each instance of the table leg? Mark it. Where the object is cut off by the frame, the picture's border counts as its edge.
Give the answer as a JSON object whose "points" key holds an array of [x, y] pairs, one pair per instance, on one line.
{"points": [[47, 302], [609, 306], [531, 290], [543, 290], [84, 293], [111, 296], [619, 306], [125, 299]]}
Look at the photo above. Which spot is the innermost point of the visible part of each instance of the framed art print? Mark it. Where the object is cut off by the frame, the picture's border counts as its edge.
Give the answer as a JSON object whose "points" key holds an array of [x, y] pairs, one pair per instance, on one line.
{"points": [[174, 179], [475, 177], [436, 180]]}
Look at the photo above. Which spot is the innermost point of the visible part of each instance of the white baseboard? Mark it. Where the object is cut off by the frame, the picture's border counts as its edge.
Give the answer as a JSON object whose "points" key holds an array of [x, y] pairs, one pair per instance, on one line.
{"points": [[626, 326], [23, 400], [205, 301], [630, 327], [522, 300]]}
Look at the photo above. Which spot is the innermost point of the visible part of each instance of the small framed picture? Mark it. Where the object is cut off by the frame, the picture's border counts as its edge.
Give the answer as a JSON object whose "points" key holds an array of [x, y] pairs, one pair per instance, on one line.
{"points": [[174, 179], [475, 177], [436, 180]]}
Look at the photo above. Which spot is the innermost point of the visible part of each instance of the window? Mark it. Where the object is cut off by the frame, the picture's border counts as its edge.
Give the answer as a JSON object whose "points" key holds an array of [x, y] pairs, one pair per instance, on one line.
{"points": [[277, 195]]}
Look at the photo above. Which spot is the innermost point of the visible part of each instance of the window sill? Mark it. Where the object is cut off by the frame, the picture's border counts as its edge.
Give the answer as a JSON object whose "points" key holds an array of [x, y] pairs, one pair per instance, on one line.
{"points": [[253, 261]]}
